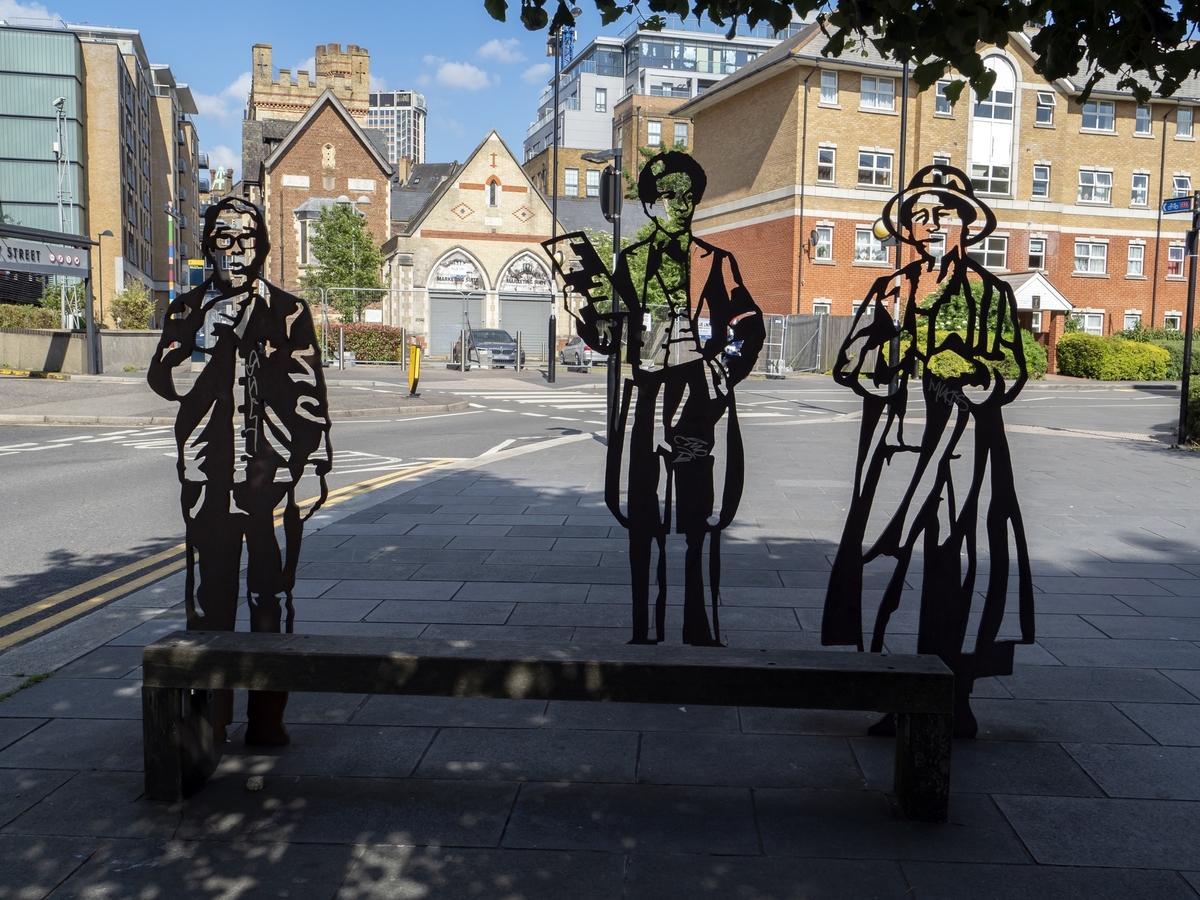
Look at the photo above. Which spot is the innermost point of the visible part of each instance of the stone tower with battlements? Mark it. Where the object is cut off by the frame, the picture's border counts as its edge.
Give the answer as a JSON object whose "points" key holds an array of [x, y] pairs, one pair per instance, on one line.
{"points": [[277, 96]]}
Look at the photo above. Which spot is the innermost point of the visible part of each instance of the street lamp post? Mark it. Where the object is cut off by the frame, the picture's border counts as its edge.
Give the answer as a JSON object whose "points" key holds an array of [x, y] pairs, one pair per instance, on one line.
{"points": [[100, 252]]}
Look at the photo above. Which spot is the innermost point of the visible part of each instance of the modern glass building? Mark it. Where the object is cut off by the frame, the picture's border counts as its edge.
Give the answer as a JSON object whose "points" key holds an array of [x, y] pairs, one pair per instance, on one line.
{"points": [[401, 116], [42, 128]]}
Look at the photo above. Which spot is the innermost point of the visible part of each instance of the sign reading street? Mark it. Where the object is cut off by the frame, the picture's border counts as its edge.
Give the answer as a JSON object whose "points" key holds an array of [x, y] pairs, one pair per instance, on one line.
{"points": [[1177, 205], [42, 259]]}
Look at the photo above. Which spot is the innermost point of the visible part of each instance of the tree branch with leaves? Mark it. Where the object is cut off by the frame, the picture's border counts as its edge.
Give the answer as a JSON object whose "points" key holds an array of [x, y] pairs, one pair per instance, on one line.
{"points": [[346, 261]]}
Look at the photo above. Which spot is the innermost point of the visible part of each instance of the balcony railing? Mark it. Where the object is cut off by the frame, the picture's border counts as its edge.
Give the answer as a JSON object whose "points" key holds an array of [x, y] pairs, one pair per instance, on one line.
{"points": [[202, 160]]}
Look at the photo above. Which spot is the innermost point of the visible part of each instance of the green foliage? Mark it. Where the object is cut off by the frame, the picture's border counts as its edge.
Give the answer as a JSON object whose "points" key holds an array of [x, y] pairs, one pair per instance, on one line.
{"points": [[346, 256], [377, 343], [1123, 38], [14, 315], [1141, 333], [645, 154], [1191, 421], [1111, 358], [28, 682], [949, 364], [52, 296], [1073, 324], [133, 307]]}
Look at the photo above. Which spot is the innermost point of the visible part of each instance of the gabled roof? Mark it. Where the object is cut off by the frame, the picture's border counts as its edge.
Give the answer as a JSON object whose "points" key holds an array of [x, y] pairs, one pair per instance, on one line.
{"points": [[329, 99], [1025, 284], [440, 191]]}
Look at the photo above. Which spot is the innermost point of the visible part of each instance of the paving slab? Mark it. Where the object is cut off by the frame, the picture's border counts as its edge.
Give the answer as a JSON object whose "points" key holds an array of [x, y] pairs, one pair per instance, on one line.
{"points": [[33, 865], [952, 881], [1166, 723], [1152, 773], [519, 754], [661, 876]]}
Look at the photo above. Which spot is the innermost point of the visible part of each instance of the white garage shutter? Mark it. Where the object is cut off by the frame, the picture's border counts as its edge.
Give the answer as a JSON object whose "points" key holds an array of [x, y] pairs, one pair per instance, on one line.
{"points": [[530, 315], [446, 310]]}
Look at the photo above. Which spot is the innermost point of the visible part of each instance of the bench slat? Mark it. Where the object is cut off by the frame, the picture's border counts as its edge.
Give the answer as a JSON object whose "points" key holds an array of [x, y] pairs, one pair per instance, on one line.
{"points": [[502, 669]]}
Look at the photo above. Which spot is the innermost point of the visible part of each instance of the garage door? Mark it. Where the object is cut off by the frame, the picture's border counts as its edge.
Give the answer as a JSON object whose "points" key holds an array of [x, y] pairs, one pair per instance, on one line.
{"points": [[530, 315], [446, 310]]}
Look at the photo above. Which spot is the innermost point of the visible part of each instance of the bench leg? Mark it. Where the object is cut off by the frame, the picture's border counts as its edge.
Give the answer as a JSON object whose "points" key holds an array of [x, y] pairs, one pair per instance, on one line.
{"points": [[922, 780], [177, 741]]}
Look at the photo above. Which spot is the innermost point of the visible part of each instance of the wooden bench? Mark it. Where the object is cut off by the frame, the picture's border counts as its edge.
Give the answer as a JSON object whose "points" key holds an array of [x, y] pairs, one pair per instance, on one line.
{"points": [[180, 669]]}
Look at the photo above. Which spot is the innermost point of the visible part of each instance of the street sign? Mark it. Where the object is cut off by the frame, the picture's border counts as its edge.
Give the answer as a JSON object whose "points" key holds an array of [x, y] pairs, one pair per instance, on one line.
{"points": [[1177, 205]]}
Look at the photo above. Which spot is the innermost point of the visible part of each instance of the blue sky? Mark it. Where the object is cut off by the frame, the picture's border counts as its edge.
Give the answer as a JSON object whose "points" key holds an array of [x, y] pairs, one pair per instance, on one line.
{"points": [[475, 73]]}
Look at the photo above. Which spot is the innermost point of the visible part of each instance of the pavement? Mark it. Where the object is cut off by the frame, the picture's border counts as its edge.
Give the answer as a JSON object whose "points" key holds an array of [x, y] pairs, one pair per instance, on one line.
{"points": [[1083, 783]]}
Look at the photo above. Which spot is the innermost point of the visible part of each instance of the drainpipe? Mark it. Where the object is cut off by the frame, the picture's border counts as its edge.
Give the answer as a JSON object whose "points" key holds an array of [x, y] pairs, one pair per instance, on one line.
{"points": [[1162, 166], [803, 167]]}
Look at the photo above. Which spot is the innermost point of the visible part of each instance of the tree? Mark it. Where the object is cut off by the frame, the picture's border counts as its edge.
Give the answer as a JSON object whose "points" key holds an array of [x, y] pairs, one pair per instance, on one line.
{"points": [[133, 306], [1144, 43], [346, 256]]}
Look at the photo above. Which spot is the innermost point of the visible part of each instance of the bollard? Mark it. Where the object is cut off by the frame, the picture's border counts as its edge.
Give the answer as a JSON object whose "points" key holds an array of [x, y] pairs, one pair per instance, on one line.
{"points": [[462, 350], [517, 364], [341, 346], [552, 342]]}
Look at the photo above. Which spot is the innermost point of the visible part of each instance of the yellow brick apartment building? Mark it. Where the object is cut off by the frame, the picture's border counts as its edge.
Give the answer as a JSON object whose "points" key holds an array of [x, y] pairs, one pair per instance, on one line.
{"points": [[802, 152]]}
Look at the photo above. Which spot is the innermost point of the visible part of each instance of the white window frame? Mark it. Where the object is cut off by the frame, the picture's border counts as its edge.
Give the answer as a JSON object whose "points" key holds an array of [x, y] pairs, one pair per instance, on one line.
{"points": [[868, 249], [1132, 320], [875, 96], [1095, 186], [941, 159], [1044, 115], [829, 87], [1091, 257], [592, 182], [1091, 321], [571, 182], [1143, 124], [1176, 254], [941, 103], [991, 179], [1143, 192], [1039, 253], [653, 133], [1135, 261], [1173, 320], [823, 250], [937, 247], [1181, 185], [1103, 115], [1044, 181], [1035, 321], [877, 172], [991, 253], [822, 306], [996, 101], [601, 99], [676, 131], [827, 159], [1183, 123]]}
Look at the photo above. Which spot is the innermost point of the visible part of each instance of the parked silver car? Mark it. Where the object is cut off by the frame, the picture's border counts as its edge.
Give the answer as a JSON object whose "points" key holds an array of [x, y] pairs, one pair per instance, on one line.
{"points": [[577, 354], [496, 340]]}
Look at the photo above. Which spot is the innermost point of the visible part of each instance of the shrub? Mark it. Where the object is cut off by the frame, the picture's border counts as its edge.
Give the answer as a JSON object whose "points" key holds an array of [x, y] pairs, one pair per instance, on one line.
{"points": [[1111, 358], [369, 342], [21, 316], [133, 307], [949, 364], [1191, 422]]}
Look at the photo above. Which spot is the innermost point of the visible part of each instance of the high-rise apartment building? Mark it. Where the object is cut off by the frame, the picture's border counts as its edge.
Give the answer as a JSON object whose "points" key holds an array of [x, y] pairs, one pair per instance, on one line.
{"points": [[85, 101], [400, 115]]}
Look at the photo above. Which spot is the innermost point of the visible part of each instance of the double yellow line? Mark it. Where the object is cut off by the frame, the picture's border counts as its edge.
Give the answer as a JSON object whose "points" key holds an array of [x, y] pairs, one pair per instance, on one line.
{"points": [[161, 565]]}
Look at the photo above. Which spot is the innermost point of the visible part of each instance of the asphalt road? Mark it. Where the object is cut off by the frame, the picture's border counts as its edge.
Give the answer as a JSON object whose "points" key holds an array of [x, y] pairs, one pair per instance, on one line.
{"points": [[82, 501]]}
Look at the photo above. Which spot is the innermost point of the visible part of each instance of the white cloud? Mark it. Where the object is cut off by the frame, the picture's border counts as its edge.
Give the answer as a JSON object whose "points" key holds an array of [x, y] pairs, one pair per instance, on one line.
{"points": [[376, 83], [463, 76], [538, 73], [507, 51], [228, 103], [308, 65], [424, 81], [222, 157], [432, 60], [12, 9]]}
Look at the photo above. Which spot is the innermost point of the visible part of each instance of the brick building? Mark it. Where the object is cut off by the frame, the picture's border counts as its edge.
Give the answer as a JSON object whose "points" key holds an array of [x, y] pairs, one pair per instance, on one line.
{"points": [[473, 250], [803, 151], [323, 158]]}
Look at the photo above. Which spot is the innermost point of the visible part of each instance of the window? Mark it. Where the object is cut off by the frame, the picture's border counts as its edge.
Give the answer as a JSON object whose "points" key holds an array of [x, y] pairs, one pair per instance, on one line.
{"points": [[571, 182], [1173, 320], [493, 188], [593, 182], [991, 253], [1099, 115], [867, 247], [1141, 124], [1132, 320], [1141, 190], [941, 159], [824, 245], [937, 247], [654, 133], [681, 133], [1175, 261], [1095, 186], [997, 106], [821, 306], [829, 86], [304, 242], [1183, 122], [990, 179], [1041, 181], [941, 103], [877, 93], [826, 157], [601, 99], [1090, 322], [1182, 185], [1091, 258], [1037, 253], [875, 169], [1137, 256], [1035, 320], [1045, 108]]}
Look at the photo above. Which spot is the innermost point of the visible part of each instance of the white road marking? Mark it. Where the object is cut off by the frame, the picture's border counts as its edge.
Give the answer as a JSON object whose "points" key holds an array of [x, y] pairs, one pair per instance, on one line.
{"points": [[498, 447], [536, 415]]}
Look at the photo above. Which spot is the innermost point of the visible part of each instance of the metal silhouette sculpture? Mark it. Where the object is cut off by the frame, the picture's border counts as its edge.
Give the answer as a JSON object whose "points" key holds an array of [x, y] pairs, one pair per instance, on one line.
{"points": [[951, 345], [234, 489], [688, 390]]}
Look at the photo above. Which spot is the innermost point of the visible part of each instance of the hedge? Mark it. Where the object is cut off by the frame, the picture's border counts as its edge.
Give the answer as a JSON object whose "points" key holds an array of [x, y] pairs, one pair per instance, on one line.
{"points": [[22, 316], [376, 343], [949, 364], [1111, 358], [1192, 422]]}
